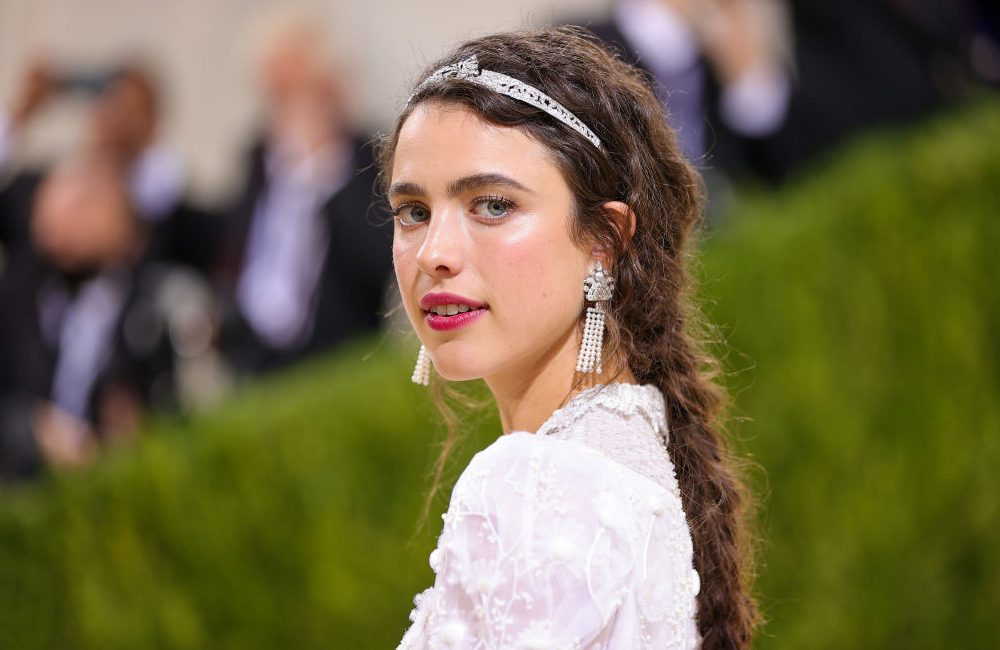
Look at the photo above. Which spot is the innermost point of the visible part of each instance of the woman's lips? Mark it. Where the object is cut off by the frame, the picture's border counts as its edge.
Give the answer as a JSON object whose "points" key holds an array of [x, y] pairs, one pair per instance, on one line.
{"points": [[448, 311], [442, 323], [432, 300]]}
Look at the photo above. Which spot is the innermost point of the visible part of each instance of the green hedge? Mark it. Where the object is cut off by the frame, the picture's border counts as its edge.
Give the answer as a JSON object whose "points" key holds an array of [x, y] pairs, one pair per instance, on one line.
{"points": [[861, 317], [283, 520], [863, 310]]}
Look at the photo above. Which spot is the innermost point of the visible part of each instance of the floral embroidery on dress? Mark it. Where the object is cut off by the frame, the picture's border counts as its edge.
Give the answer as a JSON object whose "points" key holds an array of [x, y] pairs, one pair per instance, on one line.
{"points": [[570, 538]]}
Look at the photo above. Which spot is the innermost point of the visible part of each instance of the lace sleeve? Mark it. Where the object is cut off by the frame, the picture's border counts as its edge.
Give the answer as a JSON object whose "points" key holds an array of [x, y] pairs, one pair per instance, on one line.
{"points": [[544, 542]]}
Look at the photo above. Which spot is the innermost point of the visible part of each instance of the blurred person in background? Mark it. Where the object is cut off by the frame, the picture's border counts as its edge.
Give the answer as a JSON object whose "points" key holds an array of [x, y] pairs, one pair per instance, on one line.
{"points": [[83, 346], [91, 246], [303, 265], [759, 88], [123, 124], [722, 57], [858, 65]]}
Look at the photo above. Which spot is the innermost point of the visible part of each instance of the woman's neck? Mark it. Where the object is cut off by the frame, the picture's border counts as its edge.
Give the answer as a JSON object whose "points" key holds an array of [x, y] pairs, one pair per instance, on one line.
{"points": [[526, 397]]}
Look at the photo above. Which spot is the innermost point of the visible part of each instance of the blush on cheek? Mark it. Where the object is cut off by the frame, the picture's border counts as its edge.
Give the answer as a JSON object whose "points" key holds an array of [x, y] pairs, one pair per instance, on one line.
{"points": [[526, 277], [526, 251]]}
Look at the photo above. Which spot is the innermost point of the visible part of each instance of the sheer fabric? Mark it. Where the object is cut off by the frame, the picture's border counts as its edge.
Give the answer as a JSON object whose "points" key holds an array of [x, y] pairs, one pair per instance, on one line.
{"points": [[573, 537]]}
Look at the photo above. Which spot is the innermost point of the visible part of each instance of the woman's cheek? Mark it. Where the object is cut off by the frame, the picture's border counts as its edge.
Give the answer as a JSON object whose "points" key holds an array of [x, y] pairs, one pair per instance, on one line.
{"points": [[403, 259], [522, 276], [525, 250], [404, 262]]}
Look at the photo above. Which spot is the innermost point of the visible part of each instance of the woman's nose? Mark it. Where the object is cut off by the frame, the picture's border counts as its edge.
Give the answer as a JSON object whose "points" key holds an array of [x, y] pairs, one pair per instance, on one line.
{"points": [[441, 251]]}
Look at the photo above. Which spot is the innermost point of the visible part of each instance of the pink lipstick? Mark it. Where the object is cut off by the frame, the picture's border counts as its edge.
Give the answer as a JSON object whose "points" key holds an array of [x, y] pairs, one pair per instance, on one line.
{"points": [[448, 311]]}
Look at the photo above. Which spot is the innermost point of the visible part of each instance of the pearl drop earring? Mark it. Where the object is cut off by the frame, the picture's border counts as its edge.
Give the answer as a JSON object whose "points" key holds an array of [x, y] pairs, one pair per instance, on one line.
{"points": [[598, 288]]}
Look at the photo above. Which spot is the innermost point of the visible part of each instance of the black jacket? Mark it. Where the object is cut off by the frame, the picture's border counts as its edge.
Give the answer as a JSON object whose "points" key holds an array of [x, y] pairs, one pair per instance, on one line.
{"points": [[355, 273]]}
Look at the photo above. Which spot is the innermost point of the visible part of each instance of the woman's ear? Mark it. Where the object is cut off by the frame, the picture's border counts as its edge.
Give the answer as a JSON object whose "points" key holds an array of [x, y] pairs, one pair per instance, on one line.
{"points": [[624, 219]]}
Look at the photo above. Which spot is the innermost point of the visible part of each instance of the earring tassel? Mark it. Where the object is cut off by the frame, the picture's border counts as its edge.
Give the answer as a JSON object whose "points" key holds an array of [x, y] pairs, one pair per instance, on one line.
{"points": [[422, 372], [593, 341]]}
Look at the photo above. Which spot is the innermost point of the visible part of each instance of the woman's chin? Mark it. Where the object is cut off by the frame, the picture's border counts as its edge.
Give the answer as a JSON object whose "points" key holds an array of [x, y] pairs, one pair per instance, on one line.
{"points": [[458, 372], [459, 360]]}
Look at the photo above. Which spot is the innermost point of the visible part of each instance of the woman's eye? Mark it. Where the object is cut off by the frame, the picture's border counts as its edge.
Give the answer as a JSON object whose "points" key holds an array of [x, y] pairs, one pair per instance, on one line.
{"points": [[409, 215], [494, 207]]}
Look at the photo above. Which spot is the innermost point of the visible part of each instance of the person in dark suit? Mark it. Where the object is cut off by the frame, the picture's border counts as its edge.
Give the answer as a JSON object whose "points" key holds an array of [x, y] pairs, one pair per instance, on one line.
{"points": [[306, 260], [741, 106], [711, 63], [84, 344], [60, 394], [858, 64]]}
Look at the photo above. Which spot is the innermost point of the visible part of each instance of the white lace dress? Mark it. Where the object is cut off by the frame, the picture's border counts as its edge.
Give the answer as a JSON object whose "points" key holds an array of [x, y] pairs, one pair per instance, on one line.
{"points": [[573, 537]]}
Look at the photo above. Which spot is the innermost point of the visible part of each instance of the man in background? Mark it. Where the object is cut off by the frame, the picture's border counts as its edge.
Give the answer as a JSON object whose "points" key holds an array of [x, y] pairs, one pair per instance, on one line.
{"points": [[84, 349], [306, 259]]}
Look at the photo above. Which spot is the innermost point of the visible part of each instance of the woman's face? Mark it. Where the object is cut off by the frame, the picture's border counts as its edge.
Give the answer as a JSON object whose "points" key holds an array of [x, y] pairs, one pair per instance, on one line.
{"points": [[482, 228]]}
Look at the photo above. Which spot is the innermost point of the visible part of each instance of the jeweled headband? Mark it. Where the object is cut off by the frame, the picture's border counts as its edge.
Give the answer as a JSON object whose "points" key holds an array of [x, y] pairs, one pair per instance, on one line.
{"points": [[468, 70]]}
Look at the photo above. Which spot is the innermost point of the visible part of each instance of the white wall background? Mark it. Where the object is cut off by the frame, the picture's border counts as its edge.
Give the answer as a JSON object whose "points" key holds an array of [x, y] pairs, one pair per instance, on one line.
{"points": [[201, 50]]}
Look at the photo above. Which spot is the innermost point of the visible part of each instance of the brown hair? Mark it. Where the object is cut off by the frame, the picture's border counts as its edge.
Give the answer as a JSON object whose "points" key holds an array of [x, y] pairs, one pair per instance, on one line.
{"points": [[651, 322]]}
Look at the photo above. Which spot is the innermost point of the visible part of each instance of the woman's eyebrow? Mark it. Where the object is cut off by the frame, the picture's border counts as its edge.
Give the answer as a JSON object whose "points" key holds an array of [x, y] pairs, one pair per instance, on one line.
{"points": [[475, 181], [406, 189], [460, 186]]}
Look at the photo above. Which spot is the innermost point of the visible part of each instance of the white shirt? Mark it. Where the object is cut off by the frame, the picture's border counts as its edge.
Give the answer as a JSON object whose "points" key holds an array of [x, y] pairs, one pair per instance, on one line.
{"points": [[156, 183], [86, 338], [286, 247]]}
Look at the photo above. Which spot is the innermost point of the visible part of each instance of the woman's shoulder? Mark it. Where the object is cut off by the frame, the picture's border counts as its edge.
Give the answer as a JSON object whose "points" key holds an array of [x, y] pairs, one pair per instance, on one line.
{"points": [[549, 537], [525, 452], [565, 517], [518, 454], [563, 474]]}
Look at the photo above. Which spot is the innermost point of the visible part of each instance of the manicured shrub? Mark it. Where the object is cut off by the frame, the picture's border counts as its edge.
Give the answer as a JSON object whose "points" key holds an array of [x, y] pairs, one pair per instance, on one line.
{"points": [[862, 315]]}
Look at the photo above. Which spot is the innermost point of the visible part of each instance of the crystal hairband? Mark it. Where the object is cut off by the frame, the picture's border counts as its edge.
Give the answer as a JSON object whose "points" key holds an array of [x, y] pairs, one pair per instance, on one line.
{"points": [[468, 70]]}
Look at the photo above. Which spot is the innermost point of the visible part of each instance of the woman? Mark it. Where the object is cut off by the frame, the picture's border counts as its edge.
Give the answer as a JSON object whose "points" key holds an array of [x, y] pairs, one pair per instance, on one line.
{"points": [[542, 211]]}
